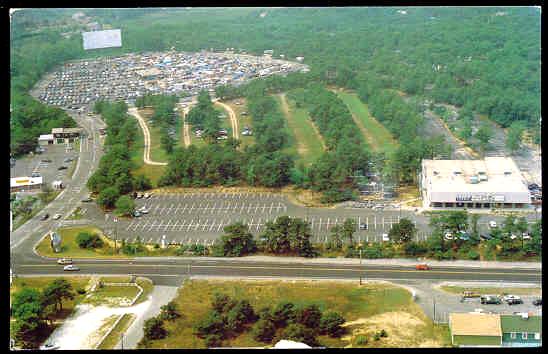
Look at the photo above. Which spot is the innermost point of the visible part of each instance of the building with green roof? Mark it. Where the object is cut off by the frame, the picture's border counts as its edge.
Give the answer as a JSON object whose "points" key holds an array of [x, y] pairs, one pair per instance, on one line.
{"points": [[521, 330]]}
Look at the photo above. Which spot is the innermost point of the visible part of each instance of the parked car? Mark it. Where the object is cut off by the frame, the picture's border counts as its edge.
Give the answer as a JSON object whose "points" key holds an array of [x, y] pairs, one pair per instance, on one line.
{"points": [[56, 216], [45, 216], [537, 302], [62, 168], [70, 267], [87, 200], [68, 159], [35, 174], [363, 226], [49, 346], [46, 160], [514, 301], [147, 195], [385, 238], [490, 299], [525, 236], [139, 195], [485, 237], [422, 267], [492, 224], [533, 186], [137, 213], [64, 261]]}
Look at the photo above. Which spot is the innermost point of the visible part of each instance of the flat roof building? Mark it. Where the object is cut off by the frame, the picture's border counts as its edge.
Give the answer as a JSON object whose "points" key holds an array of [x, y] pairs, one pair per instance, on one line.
{"points": [[22, 184], [475, 330], [494, 182]]}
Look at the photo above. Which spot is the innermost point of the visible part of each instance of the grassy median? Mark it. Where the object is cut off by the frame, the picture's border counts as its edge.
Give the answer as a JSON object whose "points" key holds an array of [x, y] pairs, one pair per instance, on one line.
{"points": [[114, 336], [366, 308], [491, 290]]}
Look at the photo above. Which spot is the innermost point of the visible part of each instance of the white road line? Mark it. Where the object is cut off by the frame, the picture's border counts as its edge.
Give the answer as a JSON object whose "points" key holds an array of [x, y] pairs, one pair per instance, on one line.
{"points": [[375, 221], [264, 208], [177, 210], [327, 224], [235, 206], [212, 224], [186, 205], [131, 223], [182, 225], [312, 225], [191, 207], [243, 205], [251, 224], [155, 210], [197, 226], [336, 221], [256, 208], [175, 225], [189, 225], [214, 207], [220, 224], [152, 226], [271, 205], [145, 224], [205, 225], [258, 224], [167, 225]]}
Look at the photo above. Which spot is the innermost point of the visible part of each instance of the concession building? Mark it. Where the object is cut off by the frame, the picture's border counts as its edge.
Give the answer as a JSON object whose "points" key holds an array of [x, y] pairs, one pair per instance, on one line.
{"points": [[494, 182]]}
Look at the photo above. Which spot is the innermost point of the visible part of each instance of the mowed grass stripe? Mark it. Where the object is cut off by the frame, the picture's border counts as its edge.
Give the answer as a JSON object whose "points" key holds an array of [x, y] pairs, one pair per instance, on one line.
{"points": [[154, 172], [157, 152], [309, 143], [376, 135]]}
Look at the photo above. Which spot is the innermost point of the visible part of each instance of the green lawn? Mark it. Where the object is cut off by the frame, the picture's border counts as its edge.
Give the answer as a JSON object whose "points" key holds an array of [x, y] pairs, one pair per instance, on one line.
{"points": [[109, 294], [309, 142], [376, 135], [492, 290], [157, 152], [114, 336], [291, 148], [377, 305]]}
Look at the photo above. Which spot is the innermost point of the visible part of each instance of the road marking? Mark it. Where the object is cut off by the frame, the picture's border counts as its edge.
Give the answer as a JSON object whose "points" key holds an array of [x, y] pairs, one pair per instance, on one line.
{"points": [[197, 226], [191, 207], [182, 212], [220, 224], [145, 224], [189, 225], [212, 225], [175, 225], [177, 210], [182, 225], [256, 208]]}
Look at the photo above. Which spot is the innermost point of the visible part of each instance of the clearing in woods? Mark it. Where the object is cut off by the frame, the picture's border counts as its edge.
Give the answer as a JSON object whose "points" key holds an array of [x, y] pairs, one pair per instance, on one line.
{"points": [[310, 144], [376, 135]]}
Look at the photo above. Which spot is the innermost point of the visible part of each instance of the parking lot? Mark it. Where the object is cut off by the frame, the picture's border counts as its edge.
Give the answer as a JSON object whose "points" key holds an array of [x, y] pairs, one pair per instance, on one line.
{"points": [[48, 170]]}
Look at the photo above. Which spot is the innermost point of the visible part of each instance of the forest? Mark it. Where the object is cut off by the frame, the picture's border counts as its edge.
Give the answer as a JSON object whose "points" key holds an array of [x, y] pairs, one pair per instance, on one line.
{"points": [[486, 59]]}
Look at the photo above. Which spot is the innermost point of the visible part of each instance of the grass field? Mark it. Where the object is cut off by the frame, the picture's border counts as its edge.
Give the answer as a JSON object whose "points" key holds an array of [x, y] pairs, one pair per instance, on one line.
{"points": [[291, 148], [114, 336], [366, 308], [309, 142], [157, 152], [492, 290], [154, 172], [109, 294], [376, 135]]}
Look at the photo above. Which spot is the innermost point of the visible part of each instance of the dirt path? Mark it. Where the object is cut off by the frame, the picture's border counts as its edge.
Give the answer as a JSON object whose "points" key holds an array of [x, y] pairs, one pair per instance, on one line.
{"points": [[366, 134], [186, 134], [146, 133], [233, 120]]}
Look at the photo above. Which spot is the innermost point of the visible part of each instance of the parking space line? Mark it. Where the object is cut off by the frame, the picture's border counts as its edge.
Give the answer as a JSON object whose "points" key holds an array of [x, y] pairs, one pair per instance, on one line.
{"points": [[375, 221], [145, 224], [191, 207], [271, 205], [258, 224], [256, 208], [182, 225], [175, 225], [336, 221], [327, 224], [189, 225], [235, 207], [152, 226], [167, 225], [205, 225], [130, 224], [183, 211], [177, 209], [264, 208], [212, 225], [220, 224], [197, 226]]}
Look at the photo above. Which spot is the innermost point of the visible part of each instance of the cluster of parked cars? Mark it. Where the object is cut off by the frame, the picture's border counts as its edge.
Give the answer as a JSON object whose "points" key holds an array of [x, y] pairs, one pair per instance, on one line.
{"points": [[536, 193], [509, 299]]}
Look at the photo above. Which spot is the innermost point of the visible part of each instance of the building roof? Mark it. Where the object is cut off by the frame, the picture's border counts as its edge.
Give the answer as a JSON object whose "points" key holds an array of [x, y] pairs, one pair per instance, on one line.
{"points": [[46, 137], [516, 323], [503, 177], [25, 181], [65, 130], [474, 324]]}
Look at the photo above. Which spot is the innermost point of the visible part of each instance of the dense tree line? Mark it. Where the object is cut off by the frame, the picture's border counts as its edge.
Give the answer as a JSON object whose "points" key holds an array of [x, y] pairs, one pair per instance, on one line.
{"points": [[205, 117], [164, 116]]}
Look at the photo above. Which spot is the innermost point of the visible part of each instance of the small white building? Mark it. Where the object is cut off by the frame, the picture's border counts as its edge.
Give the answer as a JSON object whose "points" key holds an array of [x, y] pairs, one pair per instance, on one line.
{"points": [[45, 139]]}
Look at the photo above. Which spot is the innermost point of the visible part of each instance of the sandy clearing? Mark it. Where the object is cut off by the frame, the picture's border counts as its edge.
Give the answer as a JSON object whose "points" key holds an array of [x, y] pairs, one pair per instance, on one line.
{"points": [[146, 133], [233, 120]]}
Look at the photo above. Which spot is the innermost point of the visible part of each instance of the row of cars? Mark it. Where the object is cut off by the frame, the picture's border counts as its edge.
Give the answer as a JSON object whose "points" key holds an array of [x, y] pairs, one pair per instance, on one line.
{"points": [[509, 299]]}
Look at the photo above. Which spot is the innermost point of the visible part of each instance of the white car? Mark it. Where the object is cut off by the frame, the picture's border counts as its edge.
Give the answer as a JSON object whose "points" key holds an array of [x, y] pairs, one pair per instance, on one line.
{"points": [[525, 236], [513, 237], [492, 224], [510, 297], [56, 216], [70, 267], [143, 210], [448, 236], [49, 346], [385, 238]]}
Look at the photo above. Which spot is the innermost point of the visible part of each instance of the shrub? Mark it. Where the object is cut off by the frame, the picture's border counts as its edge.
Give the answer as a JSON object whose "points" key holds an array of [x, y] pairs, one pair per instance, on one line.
{"points": [[383, 333], [87, 240], [377, 336], [361, 340], [309, 316], [222, 303], [474, 255], [156, 246], [213, 324], [330, 324], [169, 311], [154, 329], [300, 333], [283, 313], [213, 340], [81, 291], [264, 330]]}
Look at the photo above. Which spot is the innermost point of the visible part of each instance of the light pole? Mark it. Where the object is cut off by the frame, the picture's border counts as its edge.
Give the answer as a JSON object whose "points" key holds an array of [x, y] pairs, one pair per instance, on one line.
{"points": [[115, 220], [122, 340]]}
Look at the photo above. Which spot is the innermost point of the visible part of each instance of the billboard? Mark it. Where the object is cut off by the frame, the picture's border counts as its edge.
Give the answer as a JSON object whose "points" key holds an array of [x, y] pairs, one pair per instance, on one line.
{"points": [[102, 39]]}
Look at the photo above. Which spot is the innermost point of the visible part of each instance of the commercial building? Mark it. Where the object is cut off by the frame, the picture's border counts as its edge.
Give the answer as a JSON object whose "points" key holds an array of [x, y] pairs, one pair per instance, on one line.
{"points": [[475, 330], [25, 184], [494, 182], [521, 330], [65, 135]]}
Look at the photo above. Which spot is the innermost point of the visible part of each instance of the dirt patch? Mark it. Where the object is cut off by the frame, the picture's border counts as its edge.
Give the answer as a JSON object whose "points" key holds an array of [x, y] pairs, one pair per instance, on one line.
{"points": [[402, 328]]}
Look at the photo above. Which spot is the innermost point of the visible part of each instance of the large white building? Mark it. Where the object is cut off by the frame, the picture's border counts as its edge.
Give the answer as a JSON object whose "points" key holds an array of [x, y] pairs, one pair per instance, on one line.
{"points": [[494, 182]]}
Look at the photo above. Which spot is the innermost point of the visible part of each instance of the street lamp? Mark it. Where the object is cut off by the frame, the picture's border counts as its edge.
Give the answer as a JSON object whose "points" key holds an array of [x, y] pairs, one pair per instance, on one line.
{"points": [[115, 220]]}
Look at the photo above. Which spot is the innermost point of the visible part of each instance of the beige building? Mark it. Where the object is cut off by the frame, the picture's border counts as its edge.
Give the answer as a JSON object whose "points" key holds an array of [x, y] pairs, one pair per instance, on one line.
{"points": [[65, 135], [494, 182]]}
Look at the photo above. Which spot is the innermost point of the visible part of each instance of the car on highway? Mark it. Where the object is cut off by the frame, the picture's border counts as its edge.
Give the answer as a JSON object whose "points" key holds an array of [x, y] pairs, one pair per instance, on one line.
{"points": [[537, 302], [490, 300], [64, 261], [56, 216], [423, 266], [46, 160], [363, 226], [70, 267], [49, 346], [44, 217], [62, 168], [385, 238], [492, 224]]}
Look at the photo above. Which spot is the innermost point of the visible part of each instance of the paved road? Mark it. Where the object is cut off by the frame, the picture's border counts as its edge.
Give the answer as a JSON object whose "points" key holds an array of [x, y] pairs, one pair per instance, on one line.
{"points": [[75, 189]]}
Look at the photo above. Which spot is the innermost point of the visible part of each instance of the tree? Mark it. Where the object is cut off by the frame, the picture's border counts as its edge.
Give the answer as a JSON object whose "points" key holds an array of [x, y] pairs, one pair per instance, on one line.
{"points": [[264, 331], [335, 237], [299, 333], [331, 324], [513, 138], [154, 329], [222, 303], [169, 311], [403, 231], [107, 197], [142, 183], [212, 324], [484, 135], [57, 291], [237, 241], [29, 315], [125, 206], [348, 229], [283, 313], [87, 240]]}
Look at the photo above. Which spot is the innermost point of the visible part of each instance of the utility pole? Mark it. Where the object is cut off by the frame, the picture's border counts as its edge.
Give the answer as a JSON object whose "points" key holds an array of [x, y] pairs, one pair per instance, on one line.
{"points": [[434, 300], [360, 254], [122, 340], [115, 233]]}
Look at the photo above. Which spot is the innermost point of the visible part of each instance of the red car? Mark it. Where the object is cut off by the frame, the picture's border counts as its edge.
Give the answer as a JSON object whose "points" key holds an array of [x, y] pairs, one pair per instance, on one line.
{"points": [[422, 267]]}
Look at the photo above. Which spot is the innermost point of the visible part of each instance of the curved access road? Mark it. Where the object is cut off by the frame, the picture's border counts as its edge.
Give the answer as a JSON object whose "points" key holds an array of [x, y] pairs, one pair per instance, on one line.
{"points": [[186, 129], [233, 120], [146, 133]]}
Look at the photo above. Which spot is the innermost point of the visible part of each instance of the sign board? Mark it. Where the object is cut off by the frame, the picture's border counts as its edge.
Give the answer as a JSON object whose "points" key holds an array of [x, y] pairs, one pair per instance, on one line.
{"points": [[102, 39], [479, 198]]}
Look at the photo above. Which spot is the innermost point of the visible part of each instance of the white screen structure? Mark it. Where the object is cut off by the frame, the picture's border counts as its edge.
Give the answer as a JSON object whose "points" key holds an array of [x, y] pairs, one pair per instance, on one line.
{"points": [[102, 39]]}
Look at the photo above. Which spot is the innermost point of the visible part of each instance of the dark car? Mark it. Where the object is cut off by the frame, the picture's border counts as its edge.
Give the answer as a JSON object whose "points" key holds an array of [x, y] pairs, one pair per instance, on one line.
{"points": [[486, 237], [45, 216], [537, 302], [46, 160], [363, 226], [514, 301], [86, 200], [490, 299], [533, 186], [62, 168]]}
